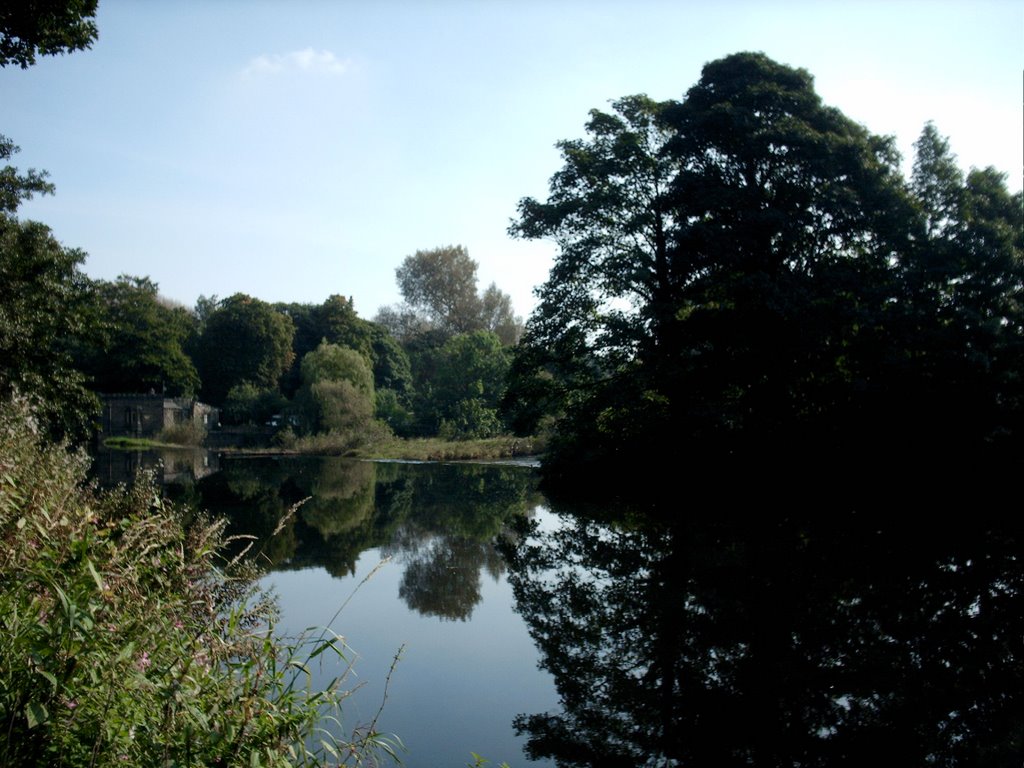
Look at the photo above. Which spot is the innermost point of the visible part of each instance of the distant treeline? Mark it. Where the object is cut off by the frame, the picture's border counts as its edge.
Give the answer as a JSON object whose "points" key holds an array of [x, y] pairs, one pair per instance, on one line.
{"points": [[742, 274]]}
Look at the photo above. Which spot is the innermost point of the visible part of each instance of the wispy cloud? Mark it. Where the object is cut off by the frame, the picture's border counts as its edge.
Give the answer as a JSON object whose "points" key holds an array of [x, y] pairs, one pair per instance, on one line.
{"points": [[306, 60]]}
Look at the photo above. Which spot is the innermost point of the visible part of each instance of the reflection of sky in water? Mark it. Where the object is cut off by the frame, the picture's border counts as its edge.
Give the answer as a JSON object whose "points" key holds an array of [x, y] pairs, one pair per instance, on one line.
{"points": [[459, 683]]}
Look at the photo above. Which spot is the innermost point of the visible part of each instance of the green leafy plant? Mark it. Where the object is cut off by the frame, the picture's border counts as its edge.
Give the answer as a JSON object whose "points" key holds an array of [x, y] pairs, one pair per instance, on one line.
{"points": [[130, 639]]}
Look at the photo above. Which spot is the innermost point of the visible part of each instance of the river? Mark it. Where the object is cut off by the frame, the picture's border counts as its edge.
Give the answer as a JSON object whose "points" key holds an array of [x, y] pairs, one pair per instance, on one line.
{"points": [[690, 633]]}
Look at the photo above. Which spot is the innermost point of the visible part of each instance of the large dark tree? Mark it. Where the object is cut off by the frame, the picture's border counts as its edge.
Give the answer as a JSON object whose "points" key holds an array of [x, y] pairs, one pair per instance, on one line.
{"points": [[737, 277], [244, 340], [45, 27], [139, 345]]}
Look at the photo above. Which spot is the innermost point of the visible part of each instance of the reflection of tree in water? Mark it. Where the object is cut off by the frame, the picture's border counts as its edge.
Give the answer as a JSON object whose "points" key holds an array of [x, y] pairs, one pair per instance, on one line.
{"points": [[813, 642], [341, 512], [446, 581], [443, 573], [247, 494], [457, 514], [341, 499], [440, 520]]}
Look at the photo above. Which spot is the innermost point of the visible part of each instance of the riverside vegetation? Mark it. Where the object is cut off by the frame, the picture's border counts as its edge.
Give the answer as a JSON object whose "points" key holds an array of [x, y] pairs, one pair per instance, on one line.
{"points": [[129, 638]]}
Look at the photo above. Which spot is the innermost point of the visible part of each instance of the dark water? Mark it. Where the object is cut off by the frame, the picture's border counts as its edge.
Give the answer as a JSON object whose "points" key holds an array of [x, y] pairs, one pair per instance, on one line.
{"points": [[763, 634]]}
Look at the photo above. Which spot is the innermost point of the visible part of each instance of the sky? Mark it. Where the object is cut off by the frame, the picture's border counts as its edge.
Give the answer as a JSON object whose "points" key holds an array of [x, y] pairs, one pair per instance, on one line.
{"points": [[295, 150]]}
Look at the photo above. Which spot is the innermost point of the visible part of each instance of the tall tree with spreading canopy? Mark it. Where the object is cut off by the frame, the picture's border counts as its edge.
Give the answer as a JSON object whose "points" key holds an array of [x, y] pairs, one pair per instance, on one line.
{"points": [[734, 276], [441, 283], [439, 288]]}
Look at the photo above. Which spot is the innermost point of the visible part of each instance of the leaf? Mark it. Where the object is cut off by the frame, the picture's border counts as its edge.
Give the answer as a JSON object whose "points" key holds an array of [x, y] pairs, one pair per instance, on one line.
{"points": [[36, 713], [95, 575]]}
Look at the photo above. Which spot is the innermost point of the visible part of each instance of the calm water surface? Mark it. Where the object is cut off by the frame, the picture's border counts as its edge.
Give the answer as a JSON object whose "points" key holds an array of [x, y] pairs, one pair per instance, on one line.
{"points": [[766, 629], [410, 551]]}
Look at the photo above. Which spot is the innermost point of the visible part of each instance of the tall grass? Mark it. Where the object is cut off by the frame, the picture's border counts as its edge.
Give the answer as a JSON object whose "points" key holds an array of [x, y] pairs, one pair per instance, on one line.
{"points": [[128, 639]]}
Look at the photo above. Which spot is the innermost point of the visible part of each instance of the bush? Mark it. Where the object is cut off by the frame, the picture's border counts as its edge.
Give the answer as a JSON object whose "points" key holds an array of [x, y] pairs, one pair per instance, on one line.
{"points": [[248, 404], [129, 640], [185, 433]]}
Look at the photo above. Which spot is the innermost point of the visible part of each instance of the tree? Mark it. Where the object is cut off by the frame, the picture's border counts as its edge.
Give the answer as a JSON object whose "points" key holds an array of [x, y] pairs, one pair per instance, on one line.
{"points": [[608, 214], [735, 274], [43, 314], [336, 321], [245, 339], [45, 27], [15, 187], [246, 404], [963, 327], [441, 283], [469, 385], [43, 310], [141, 339], [498, 317], [337, 393], [439, 288]]}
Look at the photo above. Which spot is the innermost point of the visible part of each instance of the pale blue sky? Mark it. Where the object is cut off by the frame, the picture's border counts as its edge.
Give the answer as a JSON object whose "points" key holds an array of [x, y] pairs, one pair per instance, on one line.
{"points": [[291, 150]]}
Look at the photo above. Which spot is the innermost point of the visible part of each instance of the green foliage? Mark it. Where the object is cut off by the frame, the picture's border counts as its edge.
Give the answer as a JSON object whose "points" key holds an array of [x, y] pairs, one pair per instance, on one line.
{"points": [[746, 268], [128, 639], [441, 283], [336, 321], [45, 27], [244, 339], [247, 404], [139, 341], [341, 407], [43, 310], [15, 187], [469, 385], [439, 288], [42, 314], [337, 393], [331, 362], [391, 410]]}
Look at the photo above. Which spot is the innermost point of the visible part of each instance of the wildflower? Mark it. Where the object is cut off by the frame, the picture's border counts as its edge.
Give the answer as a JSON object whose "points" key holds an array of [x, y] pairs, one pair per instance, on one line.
{"points": [[143, 663]]}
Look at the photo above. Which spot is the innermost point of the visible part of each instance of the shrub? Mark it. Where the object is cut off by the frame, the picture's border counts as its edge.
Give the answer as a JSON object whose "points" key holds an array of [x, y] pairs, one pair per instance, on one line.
{"points": [[129, 640], [185, 433]]}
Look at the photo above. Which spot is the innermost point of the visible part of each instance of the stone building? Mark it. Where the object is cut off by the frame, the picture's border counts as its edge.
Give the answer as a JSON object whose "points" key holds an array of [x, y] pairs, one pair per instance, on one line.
{"points": [[127, 415]]}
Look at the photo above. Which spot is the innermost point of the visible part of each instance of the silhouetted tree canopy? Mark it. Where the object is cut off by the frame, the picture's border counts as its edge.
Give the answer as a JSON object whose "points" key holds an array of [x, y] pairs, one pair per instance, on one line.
{"points": [[45, 27], [745, 274]]}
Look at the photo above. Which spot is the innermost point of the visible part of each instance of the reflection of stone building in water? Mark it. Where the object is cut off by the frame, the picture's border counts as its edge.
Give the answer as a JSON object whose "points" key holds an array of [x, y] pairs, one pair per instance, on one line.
{"points": [[128, 415], [169, 466]]}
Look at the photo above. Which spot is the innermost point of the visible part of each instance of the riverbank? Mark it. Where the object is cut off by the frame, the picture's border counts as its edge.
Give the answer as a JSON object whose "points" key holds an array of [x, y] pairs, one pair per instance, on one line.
{"points": [[388, 448]]}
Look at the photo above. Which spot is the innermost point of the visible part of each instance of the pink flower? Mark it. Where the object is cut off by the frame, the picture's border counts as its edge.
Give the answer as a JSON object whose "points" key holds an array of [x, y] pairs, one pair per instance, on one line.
{"points": [[143, 661]]}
